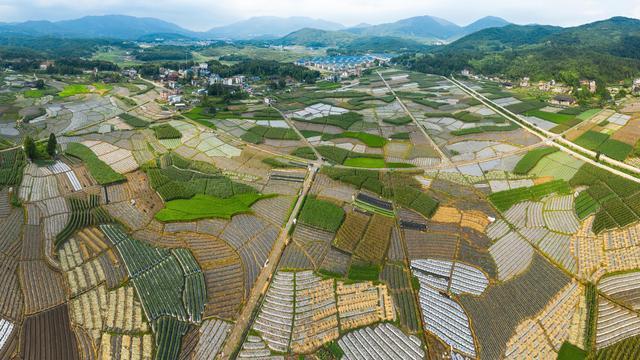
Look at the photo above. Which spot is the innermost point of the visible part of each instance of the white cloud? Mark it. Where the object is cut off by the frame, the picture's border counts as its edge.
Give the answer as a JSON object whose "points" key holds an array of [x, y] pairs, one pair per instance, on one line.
{"points": [[204, 14]]}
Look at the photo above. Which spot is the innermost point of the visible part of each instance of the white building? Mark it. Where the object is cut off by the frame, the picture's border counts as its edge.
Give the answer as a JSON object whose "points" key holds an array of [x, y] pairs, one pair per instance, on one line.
{"points": [[174, 99]]}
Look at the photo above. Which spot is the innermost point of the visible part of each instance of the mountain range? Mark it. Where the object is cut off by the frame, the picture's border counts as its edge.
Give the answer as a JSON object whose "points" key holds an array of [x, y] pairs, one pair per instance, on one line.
{"points": [[422, 28]]}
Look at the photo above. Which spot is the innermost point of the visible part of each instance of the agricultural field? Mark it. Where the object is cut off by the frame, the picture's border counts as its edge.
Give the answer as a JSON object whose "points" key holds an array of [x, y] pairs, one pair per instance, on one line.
{"points": [[389, 215]]}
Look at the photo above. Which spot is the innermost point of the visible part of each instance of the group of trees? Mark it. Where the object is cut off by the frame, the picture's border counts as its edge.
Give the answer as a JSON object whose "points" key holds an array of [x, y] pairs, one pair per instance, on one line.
{"points": [[35, 153], [272, 70], [226, 92], [165, 52]]}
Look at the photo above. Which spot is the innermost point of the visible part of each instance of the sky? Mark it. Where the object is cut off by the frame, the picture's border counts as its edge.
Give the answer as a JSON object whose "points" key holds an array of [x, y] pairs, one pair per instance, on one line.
{"points": [[205, 14]]}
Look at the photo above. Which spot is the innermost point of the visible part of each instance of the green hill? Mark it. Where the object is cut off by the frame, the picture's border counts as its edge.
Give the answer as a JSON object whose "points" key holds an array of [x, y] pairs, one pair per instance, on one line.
{"points": [[607, 50]]}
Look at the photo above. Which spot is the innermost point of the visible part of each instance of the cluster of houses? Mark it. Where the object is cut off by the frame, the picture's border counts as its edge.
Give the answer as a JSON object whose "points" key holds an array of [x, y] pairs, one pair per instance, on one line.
{"points": [[339, 67], [636, 86], [199, 77], [562, 91]]}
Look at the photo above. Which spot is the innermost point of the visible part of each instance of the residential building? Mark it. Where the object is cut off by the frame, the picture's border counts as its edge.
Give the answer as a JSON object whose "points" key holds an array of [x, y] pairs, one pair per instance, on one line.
{"points": [[563, 100], [174, 99], [589, 84]]}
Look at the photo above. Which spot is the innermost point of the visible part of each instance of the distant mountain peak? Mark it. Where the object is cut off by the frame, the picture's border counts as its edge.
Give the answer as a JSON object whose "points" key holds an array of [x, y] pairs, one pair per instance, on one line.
{"points": [[486, 23], [270, 26], [426, 27]]}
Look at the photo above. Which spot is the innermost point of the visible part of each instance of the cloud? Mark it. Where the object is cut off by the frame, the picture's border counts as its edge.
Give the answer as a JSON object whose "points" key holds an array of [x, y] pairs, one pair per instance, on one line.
{"points": [[204, 14]]}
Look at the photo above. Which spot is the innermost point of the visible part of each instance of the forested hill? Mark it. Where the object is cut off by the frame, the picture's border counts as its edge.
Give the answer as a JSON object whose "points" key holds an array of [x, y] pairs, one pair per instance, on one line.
{"points": [[607, 50]]}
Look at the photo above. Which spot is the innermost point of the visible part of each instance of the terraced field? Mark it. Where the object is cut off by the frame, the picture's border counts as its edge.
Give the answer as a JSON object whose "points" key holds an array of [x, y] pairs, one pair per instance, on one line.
{"points": [[431, 226]]}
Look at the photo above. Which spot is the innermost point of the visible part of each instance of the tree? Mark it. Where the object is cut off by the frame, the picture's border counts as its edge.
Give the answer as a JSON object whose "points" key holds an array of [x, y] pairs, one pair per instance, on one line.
{"points": [[30, 148], [52, 143]]}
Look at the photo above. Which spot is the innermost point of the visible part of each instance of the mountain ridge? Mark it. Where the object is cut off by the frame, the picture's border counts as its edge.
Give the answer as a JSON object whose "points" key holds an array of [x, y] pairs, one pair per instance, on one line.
{"points": [[606, 50], [424, 28]]}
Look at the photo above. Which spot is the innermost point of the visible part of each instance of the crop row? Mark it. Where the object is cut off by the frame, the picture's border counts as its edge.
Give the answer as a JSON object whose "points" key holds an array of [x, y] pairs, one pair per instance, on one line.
{"points": [[503, 200], [83, 213]]}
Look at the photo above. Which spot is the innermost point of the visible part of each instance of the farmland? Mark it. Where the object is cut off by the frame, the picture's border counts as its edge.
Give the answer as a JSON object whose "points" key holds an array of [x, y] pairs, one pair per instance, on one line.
{"points": [[100, 171], [429, 226]]}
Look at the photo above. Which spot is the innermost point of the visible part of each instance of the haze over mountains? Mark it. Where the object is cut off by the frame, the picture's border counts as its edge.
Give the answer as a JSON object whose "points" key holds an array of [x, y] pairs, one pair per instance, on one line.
{"points": [[424, 28]]}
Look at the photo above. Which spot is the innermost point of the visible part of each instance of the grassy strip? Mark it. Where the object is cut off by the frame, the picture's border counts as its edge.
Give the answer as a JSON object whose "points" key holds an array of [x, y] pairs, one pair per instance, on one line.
{"points": [[398, 121], [367, 163], [370, 140], [205, 207], [503, 200], [133, 121], [531, 159], [100, 171], [127, 101], [484, 129], [401, 136], [591, 297]]}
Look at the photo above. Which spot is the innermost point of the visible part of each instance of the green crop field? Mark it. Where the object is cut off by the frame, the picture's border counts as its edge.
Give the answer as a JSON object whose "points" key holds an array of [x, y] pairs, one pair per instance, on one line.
{"points": [[166, 131], [365, 163], [526, 106], [503, 200], [591, 140], [198, 113], [364, 272], [370, 140], [618, 200], [71, 90], [615, 149], [321, 214], [585, 205], [33, 94], [133, 121], [556, 118], [101, 88], [344, 121], [531, 159], [205, 207], [258, 133], [569, 351], [100, 171], [401, 136], [484, 129], [398, 121], [588, 114]]}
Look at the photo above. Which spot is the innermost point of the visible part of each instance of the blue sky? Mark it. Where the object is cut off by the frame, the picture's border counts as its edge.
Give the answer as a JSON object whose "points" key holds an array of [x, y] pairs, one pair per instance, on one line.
{"points": [[204, 14]]}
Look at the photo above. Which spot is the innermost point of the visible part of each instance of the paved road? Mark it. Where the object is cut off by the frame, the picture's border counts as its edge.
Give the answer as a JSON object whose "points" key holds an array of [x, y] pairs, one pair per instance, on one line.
{"points": [[292, 126], [550, 138], [244, 321], [444, 157]]}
